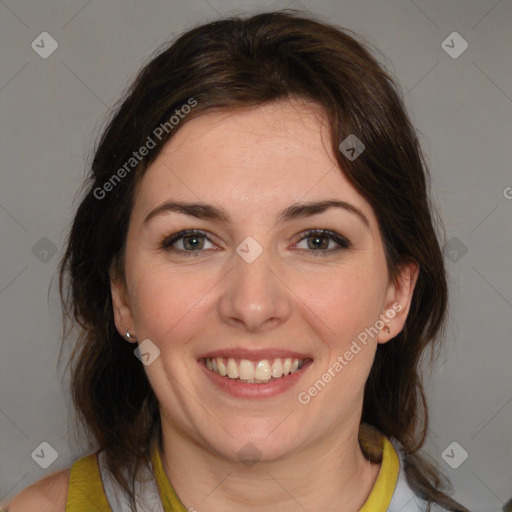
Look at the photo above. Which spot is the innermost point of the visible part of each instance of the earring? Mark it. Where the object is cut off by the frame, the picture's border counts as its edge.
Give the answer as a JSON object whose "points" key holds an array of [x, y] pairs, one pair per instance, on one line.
{"points": [[387, 329], [130, 336]]}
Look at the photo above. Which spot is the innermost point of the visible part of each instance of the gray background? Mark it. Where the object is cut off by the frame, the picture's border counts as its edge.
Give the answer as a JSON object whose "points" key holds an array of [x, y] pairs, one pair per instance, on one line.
{"points": [[52, 110]]}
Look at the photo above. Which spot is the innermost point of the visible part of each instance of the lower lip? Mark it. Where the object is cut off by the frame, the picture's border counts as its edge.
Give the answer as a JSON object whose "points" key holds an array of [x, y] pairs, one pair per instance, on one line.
{"points": [[269, 389]]}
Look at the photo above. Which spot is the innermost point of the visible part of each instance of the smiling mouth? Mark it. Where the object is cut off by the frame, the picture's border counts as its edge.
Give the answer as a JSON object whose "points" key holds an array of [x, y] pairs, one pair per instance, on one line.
{"points": [[254, 372]]}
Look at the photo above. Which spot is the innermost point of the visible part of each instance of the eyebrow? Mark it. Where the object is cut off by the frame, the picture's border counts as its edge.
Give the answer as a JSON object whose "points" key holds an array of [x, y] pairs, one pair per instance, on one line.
{"points": [[295, 211]]}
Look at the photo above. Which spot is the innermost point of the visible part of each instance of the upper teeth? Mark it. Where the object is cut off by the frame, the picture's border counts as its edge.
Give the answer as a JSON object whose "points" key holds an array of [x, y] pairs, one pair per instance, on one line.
{"points": [[255, 371]]}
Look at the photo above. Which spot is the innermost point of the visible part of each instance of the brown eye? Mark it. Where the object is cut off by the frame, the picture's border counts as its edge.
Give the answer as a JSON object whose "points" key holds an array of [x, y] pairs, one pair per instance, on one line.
{"points": [[193, 242], [189, 241], [318, 242]]}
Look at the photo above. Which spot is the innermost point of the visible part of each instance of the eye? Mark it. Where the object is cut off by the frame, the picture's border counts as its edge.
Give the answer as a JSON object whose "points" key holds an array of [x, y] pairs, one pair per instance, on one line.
{"points": [[192, 241], [319, 242]]}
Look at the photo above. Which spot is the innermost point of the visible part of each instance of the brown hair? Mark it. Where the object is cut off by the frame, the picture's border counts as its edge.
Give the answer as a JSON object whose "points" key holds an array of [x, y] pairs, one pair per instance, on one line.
{"points": [[239, 63]]}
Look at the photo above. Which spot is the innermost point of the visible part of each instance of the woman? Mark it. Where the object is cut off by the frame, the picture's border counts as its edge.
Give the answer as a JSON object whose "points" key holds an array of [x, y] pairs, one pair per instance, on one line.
{"points": [[256, 274]]}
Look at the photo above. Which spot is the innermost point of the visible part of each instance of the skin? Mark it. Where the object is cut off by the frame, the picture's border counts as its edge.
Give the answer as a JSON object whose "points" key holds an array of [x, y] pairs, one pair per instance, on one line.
{"points": [[254, 163], [46, 495]]}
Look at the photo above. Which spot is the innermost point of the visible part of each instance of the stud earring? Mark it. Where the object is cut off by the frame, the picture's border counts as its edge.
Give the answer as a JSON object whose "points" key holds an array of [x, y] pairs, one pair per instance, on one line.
{"points": [[387, 329], [130, 336]]}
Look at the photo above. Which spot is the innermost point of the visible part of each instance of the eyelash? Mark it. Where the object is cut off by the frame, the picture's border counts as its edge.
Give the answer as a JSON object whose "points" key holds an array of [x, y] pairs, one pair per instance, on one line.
{"points": [[342, 242]]}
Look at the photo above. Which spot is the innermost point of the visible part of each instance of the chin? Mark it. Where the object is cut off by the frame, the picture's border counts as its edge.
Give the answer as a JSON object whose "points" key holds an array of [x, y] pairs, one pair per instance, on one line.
{"points": [[256, 445]]}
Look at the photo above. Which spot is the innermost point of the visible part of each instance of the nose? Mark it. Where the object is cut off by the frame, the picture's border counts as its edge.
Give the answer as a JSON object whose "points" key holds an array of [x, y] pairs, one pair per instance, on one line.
{"points": [[255, 298]]}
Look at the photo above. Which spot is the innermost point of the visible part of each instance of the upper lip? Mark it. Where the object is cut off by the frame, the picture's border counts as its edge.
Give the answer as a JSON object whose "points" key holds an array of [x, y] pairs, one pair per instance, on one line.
{"points": [[254, 355]]}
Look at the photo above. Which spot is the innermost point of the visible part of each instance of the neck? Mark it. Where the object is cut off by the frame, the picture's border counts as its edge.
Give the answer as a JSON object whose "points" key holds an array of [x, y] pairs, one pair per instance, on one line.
{"points": [[331, 474]]}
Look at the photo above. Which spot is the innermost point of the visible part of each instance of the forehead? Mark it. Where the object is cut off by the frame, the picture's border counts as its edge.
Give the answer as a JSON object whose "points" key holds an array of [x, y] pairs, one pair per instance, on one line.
{"points": [[248, 160]]}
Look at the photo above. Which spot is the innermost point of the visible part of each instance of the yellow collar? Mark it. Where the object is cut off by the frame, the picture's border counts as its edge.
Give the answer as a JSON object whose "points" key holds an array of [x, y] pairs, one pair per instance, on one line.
{"points": [[379, 498], [384, 486], [170, 502]]}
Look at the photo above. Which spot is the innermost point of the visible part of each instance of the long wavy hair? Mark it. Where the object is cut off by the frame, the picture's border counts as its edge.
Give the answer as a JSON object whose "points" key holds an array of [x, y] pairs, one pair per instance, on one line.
{"points": [[236, 63]]}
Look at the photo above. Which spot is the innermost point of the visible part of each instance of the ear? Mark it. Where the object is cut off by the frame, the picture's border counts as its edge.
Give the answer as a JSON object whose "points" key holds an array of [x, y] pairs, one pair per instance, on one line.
{"points": [[398, 301], [122, 313]]}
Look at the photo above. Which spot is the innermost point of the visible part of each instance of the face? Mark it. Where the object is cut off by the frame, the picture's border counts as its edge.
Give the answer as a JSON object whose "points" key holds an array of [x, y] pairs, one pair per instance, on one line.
{"points": [[271, 280]]}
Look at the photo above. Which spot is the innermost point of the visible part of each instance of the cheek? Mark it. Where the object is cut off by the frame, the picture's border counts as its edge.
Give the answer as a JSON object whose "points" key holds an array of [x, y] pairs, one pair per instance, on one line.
{"points": [[346, 300], [342, 306], [168, 300]]}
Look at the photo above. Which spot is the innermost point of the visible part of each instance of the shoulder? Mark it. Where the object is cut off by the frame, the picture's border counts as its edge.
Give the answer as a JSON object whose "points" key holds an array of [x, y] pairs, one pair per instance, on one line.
{"points": [[46, 495]]}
